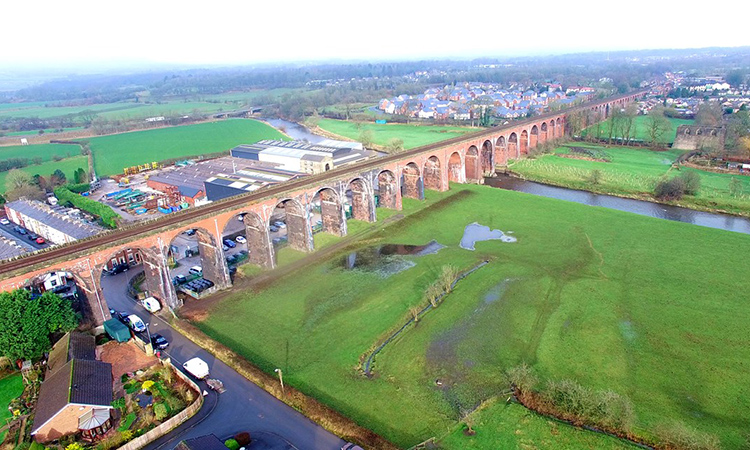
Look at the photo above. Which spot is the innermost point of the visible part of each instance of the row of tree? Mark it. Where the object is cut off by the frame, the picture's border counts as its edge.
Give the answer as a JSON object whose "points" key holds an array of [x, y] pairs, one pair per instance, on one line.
{"points": [[19, 183]]}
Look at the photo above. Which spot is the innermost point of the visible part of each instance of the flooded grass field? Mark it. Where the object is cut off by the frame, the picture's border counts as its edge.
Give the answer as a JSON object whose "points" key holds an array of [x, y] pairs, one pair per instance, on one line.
{"points": [[644, 307]]}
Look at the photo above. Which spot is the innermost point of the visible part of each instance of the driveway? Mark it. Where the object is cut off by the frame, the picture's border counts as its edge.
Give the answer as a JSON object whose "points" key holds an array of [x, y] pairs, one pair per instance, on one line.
{"points": [[243, 407]]}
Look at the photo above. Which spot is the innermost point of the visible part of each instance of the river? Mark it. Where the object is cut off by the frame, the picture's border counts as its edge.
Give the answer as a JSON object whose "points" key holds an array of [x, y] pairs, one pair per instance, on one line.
{"points": [[706, 219], [294, 130]]}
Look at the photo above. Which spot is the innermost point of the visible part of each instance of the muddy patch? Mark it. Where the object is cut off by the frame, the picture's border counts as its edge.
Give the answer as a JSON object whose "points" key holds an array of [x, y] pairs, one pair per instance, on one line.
{"points": [[386, 259], [475, 232]]}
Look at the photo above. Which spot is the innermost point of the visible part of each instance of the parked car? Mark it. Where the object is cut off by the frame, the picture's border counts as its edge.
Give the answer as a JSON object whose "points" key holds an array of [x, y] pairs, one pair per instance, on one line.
{"points": [[32, 236], [159, 341], [241, 217], [136, 324], [273, 228], [122, 316], [196, 367], [240, 239], [224, 247], [196, 270], [189, 232], [5, 221], [281, 225], [40, 240], [179, 279], [229, 243], [118, 268], [19, 230]]}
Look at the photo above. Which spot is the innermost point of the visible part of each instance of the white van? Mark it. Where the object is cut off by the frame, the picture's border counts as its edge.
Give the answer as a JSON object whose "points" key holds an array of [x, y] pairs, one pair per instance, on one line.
{"points": [[196, 367], [196, 270], [151, 304]]}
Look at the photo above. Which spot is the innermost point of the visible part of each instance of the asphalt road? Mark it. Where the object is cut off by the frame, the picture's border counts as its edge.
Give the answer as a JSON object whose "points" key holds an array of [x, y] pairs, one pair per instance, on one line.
{"points": [[243, 407], [10, 229]]}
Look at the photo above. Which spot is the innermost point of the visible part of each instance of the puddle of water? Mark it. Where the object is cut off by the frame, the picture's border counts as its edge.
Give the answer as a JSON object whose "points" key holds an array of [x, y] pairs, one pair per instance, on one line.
{"points": [[476, 233], [626, 328], [387, 259], [497, 291]]}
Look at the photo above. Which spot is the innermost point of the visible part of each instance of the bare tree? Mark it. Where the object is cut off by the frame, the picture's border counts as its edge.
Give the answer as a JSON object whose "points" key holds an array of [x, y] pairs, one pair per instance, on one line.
{"points": [[656, 126]]}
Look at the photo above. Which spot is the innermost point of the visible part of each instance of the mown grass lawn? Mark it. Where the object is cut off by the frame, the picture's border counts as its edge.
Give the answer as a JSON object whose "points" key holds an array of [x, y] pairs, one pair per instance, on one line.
{"points": [[11, 387], [113, 153], [633, 171], [67, 165], [411, 135], [648, 308], [640, 130]]}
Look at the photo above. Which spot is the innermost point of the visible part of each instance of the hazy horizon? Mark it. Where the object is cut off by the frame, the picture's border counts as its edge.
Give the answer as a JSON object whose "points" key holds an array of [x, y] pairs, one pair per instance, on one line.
{"points": [[93, 36]]}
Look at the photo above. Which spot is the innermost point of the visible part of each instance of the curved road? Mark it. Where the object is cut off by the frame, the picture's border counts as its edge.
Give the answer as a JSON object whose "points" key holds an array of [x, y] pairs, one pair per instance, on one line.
{"points": [[243, 407]]}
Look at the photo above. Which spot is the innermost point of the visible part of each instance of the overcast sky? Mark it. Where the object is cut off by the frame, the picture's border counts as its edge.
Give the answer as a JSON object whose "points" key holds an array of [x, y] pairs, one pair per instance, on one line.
{"points": [[83, 32]]}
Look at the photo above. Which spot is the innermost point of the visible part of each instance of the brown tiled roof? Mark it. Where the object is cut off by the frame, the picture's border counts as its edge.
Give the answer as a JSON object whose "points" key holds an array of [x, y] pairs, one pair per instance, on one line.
{"points": [[77, 381], [73, 345]]}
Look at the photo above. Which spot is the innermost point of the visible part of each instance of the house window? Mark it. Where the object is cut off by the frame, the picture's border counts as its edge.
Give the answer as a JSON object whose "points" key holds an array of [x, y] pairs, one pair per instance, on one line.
{"points": [[122, 259]]}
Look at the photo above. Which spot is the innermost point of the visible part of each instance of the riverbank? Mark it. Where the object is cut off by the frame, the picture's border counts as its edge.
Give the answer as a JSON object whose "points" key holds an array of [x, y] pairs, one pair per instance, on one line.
{"points": [[571, 284], [633, 173]]}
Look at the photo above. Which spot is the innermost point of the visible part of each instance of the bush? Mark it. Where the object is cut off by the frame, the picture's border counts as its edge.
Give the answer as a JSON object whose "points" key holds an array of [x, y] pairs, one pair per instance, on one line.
{"points": [[232, 444], [672, 189], [679, 435], [595, 176], [160, 411], [692, 182], [522, 377], [243, 439], [78, 188], [36, 446]]}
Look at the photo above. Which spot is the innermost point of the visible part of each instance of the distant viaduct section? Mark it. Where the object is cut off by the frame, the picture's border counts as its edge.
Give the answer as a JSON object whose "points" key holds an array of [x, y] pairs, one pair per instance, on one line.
{"points": [[381, 182]]}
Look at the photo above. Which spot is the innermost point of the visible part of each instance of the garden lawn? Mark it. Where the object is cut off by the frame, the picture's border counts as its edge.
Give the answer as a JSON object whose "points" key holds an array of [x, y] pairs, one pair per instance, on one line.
{"points": [[412, 135], [113, 153], [11, 387], [633, 172], [44, 151], [67, 165], [641, 129], [648, 308]]}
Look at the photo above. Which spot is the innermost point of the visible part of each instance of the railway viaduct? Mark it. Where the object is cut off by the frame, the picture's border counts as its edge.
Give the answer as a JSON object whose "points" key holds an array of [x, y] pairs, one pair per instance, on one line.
{"points": [[384, 181]]}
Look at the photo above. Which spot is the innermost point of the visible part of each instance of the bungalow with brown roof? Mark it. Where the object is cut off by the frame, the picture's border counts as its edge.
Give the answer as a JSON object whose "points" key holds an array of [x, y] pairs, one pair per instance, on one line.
{"points": [[76, 394]]}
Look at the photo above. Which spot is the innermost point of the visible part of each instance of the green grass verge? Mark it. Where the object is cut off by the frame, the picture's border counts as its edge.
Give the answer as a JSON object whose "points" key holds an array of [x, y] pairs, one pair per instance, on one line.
{"points": [[640, 130], [68, 166], [411, 135], [115, 152], [633, 172], [648, 308], [11, 387]]}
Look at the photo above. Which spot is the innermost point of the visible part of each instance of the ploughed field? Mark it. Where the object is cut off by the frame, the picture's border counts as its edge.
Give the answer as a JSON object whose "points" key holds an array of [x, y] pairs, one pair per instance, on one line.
{"points": [[632, 171], [651, 309]]}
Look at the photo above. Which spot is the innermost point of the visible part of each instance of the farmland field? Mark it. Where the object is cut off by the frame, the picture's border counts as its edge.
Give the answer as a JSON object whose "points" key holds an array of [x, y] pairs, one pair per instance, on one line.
{"points": [[115, 152], [633, 172], [411, 135], [44, 151], [67, 165], [648, 308], [640, 131]]}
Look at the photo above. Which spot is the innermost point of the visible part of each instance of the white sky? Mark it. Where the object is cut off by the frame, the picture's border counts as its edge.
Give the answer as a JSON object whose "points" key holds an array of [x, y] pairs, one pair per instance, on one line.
{"points": [[69, 33]]}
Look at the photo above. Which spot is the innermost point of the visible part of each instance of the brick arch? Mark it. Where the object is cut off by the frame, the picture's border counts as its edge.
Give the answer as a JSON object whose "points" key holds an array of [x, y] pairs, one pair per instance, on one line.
{"points": [[456, 171], [433, 175], [412, 185], [543, 136], [362, 199], [472, 164], [553, 127], [534, 136], [559, 130], [211, 256], [513, 148], [328, 202], [299, 233], [487, 157], [524, 142], [388, 191]]}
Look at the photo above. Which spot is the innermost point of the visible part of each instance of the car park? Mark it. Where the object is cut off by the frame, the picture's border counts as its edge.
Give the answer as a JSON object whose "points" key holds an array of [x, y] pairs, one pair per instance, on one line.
{"points": [[240, 240], [19, 230], [135, 323], [118, 268], [159, 341]]}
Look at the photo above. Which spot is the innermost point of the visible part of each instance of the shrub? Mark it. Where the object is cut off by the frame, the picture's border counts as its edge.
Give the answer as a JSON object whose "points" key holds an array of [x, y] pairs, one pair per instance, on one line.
{"points": [[160, 411], [522, 377], [36, 446], [672, 189], [595, 176], [243, 439], [692, 182], [679, 435], [74, 446], [78, 188], [232, 444]]}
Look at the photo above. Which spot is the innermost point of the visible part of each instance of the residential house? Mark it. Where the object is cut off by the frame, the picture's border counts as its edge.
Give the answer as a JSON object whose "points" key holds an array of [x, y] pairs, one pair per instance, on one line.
{"points": [[76, 394]]}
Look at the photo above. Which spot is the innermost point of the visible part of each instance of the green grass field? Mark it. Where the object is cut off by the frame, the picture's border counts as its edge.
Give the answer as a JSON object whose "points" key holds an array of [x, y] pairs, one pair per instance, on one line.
{"points": [[641, 129], [44, 151], [67, 165], [633, 171], [411, 135], [11, 387], [648, 308], [115, 152]]}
